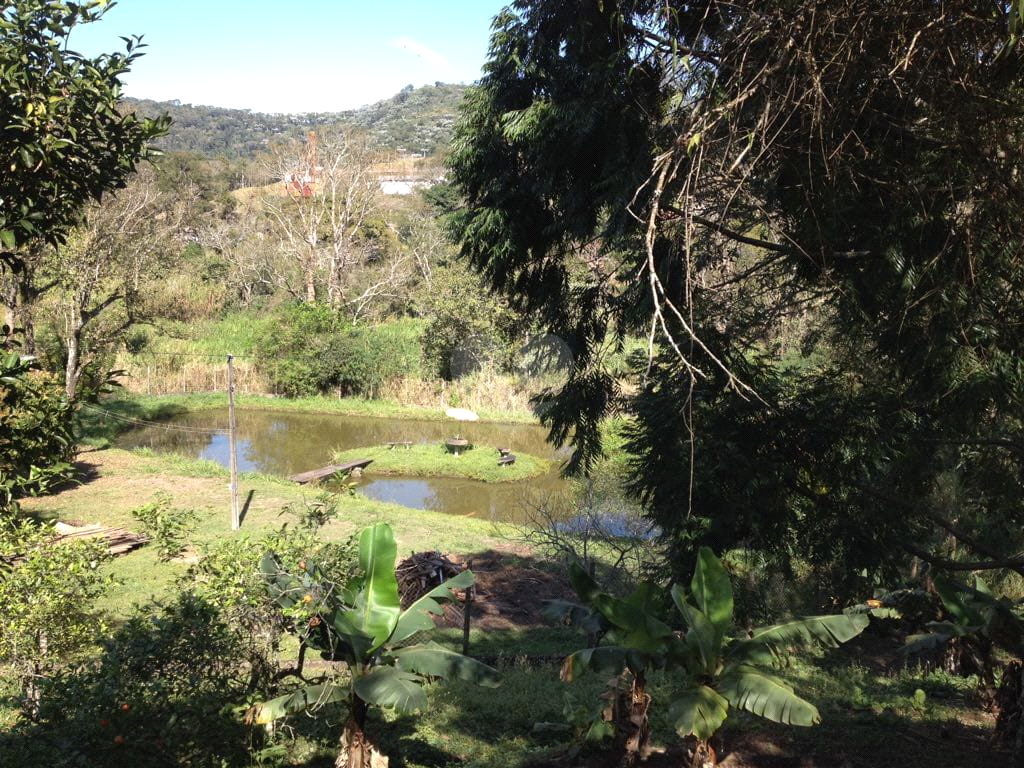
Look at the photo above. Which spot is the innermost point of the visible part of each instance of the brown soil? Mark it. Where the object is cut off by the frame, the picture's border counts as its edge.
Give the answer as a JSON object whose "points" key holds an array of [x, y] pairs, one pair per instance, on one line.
{"points": [[511, 596]]}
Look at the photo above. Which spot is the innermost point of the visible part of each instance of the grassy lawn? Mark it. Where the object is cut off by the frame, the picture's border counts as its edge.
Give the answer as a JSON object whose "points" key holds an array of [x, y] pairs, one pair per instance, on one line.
{"points": [[117, 482], [434, 460]]}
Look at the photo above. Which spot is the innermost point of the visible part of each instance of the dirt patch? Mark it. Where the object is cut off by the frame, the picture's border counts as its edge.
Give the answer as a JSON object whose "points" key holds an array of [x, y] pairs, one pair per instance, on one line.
{"points": [[510, 594]]}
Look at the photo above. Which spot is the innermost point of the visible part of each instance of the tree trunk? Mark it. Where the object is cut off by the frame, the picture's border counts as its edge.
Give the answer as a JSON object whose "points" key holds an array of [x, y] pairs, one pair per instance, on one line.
{"points": [[310, 283], [627, 712], [1009, 702], [72, 370], [356, 750]]}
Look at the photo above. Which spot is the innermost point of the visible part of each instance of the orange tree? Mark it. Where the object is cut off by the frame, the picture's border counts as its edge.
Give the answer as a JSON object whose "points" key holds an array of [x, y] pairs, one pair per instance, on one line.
{"points": [[63, 138]]}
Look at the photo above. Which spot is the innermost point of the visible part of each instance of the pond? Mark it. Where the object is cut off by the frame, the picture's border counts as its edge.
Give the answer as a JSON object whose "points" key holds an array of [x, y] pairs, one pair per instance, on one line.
{"points": [[285, 443]]}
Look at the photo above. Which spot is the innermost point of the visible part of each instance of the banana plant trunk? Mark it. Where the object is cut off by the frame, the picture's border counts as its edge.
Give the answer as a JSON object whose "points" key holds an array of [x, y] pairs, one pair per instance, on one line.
{"points": [[704, 755], [356, 749], [638, 727], [1009, 702]]}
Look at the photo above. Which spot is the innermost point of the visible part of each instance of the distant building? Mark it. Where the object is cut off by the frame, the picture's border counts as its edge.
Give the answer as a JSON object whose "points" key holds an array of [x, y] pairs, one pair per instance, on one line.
{"points": [[391, 185]]}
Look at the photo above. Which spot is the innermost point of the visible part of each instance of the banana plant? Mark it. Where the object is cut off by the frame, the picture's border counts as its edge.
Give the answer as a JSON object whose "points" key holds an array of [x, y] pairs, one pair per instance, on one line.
{"points": [[976, 623], [362, 624], [719, 669]]}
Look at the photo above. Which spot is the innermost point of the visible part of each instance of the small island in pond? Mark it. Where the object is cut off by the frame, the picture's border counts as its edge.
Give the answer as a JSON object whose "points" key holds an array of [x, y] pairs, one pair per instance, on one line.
{"points": [[434, 459]]}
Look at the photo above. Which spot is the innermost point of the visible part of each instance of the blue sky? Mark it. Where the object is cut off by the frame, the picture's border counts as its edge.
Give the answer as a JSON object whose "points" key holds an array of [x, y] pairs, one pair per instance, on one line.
{"points": [[298, 56]]}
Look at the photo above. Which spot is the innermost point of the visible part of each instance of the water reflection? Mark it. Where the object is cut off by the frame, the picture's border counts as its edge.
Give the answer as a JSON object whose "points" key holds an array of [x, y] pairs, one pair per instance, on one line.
{"points": [[286, 443]]}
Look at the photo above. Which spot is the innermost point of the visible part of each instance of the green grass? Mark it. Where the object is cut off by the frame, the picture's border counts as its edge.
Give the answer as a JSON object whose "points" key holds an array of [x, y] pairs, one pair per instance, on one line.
{"points": [[434, 460]]}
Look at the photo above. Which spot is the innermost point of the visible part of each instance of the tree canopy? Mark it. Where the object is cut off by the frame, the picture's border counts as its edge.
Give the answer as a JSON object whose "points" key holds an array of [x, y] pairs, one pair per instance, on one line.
{"points": [[839, 182], [63, 139]]}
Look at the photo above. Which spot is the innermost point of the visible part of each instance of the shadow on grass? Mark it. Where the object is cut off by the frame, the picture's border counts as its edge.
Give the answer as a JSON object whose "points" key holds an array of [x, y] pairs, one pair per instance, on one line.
{"points": [[859, 740], [100, 424]]}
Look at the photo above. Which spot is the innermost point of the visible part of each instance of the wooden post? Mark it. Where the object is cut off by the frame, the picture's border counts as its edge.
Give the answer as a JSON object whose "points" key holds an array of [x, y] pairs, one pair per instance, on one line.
{"points": [[467, 608], [232, 429]]}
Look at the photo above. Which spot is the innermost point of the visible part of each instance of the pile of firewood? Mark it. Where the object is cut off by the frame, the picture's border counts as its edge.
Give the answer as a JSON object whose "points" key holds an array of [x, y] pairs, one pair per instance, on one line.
{"points": [[421, 572]]}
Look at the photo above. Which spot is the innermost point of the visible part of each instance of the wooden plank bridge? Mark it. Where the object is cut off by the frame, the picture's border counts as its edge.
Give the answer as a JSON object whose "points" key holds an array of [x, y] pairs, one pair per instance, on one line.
{"points": [[355, 467]]}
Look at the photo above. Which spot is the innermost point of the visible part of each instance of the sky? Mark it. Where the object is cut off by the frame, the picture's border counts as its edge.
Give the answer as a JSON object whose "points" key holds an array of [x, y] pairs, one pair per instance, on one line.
{"points": [[297, 56]]}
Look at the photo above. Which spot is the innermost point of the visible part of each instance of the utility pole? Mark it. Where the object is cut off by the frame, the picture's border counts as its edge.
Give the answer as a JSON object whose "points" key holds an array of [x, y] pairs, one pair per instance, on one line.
{"points": [[232, 441]]}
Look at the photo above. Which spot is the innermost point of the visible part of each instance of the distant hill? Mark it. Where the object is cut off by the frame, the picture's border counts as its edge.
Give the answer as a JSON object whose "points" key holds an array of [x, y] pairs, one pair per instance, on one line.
{"points": [[416, 120]]}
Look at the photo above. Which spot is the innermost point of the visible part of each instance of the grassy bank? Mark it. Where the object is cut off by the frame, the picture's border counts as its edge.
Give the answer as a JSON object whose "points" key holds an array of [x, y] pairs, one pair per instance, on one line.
{"points": [[117, 482], [434, 460]]}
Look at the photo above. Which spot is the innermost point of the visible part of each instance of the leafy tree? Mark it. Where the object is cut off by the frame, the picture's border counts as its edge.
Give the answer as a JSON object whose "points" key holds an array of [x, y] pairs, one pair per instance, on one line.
{"points": [[716, 176], [722, 669], [63, 139], [468, 329], [362, 623]]}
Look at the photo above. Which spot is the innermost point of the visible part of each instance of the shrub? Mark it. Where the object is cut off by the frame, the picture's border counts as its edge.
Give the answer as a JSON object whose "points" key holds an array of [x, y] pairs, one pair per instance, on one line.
{"points": [[312, 350], [168, 527], [162, 691], [47, 593], [36, 439]]}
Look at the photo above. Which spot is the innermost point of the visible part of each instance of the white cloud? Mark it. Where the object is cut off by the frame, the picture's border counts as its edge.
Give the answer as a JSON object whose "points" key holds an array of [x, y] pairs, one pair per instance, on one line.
{"points": [[432, 57]]}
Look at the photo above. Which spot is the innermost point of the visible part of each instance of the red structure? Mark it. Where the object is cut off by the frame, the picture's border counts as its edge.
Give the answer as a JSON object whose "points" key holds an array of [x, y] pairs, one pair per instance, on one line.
{"points": [[303, 181]]}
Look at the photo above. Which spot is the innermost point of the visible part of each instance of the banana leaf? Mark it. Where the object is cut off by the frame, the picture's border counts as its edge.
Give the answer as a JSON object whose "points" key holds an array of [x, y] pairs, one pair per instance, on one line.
{"points": [[712, 591], [305, 698], [699, 711], [392, 688], [434, 660], [377, 605], [767, 696], [416, 618]]}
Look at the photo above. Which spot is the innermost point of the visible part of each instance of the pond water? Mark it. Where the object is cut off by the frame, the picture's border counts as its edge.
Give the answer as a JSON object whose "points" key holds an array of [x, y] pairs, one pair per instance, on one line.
{"points": [[285, 443]]}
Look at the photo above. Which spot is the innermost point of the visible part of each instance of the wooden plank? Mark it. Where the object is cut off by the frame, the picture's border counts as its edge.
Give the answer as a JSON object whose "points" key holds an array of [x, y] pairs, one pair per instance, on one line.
{"points": [[330, 469]]}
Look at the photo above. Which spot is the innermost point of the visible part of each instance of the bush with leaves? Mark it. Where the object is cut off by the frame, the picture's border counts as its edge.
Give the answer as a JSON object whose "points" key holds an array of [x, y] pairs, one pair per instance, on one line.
{"points": [[313, 350], [721, 669], [167, 526], [163, 691], [47, 596], [228, 577], [36, 438]]}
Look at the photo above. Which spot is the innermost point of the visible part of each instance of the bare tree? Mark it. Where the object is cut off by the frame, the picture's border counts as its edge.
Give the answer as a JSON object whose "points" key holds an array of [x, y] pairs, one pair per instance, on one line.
{"points": [[249, 252], [328, 190], [101, 271]]}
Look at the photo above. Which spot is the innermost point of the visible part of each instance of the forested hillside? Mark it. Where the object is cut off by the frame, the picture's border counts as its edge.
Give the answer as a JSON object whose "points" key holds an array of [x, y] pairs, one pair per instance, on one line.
{"points": [[416, 120]]}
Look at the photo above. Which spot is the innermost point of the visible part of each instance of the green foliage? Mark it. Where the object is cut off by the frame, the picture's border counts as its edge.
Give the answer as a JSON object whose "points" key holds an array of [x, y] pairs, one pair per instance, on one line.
{"points": [[722, 669], [36, 440], [676, 170], [312, 350], [167, 527], [47, 595], [163, 689], [361, 622], [228, 577], [467, 329], [63, 139]]}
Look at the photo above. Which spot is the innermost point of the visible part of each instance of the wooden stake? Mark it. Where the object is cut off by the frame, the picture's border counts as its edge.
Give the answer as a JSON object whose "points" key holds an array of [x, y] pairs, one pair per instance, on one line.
{"points": [[232, 440], [467, 609]]}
